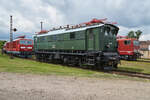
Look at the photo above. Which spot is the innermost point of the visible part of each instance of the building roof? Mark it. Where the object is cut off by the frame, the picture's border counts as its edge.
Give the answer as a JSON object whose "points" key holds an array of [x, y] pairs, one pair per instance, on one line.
{"points": [[145, 42]]}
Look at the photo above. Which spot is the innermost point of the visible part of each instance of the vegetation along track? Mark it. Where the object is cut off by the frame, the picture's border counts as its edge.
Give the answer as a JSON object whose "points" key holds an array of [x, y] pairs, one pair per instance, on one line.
{"points": [[119, 72]]}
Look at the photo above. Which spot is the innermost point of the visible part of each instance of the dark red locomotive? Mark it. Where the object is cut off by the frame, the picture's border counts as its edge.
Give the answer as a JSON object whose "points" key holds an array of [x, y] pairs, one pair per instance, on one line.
{"points": [[128, 48], [20, 47]]}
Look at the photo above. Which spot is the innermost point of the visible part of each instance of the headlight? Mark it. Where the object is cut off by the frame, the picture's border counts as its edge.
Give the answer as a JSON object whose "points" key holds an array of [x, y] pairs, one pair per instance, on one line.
{"points": [[22, 47], [29, 47]]}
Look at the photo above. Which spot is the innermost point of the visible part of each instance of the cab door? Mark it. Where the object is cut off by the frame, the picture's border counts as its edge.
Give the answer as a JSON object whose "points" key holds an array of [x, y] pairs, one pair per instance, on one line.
{"points": [[90, 40]]}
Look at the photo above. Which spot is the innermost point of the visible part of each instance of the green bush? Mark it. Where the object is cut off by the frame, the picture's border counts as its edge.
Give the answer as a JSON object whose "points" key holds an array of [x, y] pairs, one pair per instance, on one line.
{"points": [[2, 43]]}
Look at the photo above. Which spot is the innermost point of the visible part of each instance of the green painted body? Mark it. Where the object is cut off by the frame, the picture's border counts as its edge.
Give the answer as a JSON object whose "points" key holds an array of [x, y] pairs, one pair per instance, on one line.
{"points": [[90, 39]]}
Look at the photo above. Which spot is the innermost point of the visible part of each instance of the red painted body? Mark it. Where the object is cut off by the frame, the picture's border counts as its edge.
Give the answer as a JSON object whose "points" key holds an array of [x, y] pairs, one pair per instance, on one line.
{"points": [[128, 48], [19, 47]]}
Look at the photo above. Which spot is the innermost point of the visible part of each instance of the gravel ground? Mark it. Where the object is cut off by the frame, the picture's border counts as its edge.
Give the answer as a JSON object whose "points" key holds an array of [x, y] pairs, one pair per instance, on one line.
{"points": [[39, 87]]}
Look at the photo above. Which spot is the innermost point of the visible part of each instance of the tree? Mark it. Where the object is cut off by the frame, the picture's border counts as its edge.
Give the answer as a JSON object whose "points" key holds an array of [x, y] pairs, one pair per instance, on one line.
{"points": [[131, 34], [136, 34], [2, 43]]}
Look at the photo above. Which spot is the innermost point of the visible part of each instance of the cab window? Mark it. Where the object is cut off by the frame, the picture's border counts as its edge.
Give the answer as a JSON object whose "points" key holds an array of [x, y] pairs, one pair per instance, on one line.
{"points": [[29, 42], [107, 31], [110, 33], [72, 35], [91, 35], [136, 43], [127, 42], [22, 42], [54, 37], [114, 32]]}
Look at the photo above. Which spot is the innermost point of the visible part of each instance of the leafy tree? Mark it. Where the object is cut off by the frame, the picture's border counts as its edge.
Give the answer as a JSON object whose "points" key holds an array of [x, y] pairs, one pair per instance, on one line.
{"points": [[136, 34], [2, 43], [131, 34]]}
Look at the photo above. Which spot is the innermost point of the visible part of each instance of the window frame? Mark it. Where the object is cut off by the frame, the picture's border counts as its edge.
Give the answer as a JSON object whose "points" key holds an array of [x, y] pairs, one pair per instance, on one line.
{"points": [[127, 42], [72, 36], [91, 34]]}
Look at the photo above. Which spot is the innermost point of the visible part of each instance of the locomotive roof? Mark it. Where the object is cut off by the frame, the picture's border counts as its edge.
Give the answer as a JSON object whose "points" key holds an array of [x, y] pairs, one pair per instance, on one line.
{"points": [[65, 30], [18, 39], [126, 39], [21, 39]]}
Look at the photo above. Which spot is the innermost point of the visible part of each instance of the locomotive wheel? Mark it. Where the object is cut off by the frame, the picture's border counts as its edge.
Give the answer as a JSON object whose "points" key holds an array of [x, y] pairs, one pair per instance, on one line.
{"points": [[102, 67], [80, 63], [65, 60], [99, 66], [38, 57], [96, 67], [26, 56], [77, 62], [115, 66]]}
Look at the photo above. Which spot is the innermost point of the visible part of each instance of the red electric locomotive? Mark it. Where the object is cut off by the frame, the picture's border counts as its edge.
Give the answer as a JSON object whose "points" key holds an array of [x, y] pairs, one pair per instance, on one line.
{"points": [[128, 48], [19, 47]]}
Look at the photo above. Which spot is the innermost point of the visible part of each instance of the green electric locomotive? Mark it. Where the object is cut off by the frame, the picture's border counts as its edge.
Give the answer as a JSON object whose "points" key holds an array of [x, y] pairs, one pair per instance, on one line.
{"points": [[93, 43]]}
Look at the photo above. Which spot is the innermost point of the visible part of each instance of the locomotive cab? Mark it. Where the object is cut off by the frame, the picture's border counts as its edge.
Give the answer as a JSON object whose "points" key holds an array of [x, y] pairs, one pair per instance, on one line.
{"points": [[20, 47], [109, 46], [26, 45], [129, 48], [103, 39], [110, 33], [136, 46]]}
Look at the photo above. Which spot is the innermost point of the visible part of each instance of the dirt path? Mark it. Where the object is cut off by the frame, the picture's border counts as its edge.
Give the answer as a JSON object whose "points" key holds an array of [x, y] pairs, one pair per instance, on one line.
{"points": [[36, 87]]}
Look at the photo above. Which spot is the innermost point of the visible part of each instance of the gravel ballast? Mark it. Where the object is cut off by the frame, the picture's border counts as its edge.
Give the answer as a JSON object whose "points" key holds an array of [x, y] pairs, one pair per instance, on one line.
{"points": [[41, 87]]}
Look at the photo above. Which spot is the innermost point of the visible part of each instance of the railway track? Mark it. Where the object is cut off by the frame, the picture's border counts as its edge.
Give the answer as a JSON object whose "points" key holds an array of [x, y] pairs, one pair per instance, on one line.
{"points": [[131, 74]]}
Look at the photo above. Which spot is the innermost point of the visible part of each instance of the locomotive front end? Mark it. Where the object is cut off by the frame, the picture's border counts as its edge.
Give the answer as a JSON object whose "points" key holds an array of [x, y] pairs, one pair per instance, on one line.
{"points": [[110, 57]]}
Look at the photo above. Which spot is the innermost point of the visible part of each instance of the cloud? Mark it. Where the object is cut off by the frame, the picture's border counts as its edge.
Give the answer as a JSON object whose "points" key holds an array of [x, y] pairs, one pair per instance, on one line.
{"points": [[27, 14], [127, 13], [145, 37], [145, 31]]}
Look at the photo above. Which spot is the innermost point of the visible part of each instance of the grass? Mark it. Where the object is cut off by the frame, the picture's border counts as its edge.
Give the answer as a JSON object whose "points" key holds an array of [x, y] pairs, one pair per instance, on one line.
{"points": [[24, 66], [141, 65], [18, 65]]}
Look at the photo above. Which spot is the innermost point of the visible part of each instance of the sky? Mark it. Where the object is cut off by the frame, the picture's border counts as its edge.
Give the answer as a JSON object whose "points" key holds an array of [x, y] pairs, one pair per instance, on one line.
{"points": [[27, 15]]}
